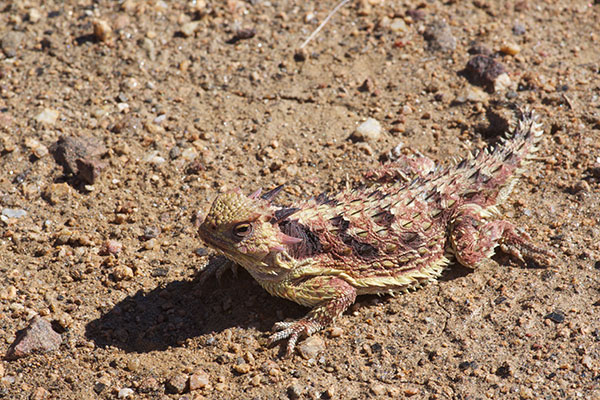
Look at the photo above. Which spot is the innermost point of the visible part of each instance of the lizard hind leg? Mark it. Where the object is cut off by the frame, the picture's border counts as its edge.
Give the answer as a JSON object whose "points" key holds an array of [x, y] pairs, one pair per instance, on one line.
{"points": [[474, 239], [335, 295]]}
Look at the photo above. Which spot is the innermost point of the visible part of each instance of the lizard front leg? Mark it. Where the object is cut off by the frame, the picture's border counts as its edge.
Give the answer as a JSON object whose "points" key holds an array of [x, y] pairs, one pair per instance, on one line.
{"points": [[329, 296]]}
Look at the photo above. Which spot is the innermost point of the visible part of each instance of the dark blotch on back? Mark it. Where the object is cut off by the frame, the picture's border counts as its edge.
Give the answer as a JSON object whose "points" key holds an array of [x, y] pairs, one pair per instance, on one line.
{"points": [[310, 244], [360, 249]]}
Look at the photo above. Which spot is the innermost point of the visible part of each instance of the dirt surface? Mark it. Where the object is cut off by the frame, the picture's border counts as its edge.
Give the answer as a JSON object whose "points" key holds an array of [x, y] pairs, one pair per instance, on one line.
{"points": [[161, 105]]}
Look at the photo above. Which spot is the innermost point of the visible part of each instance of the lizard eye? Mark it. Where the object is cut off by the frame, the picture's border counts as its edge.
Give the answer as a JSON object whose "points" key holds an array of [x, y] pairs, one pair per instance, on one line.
{"points": [[242, 229]]}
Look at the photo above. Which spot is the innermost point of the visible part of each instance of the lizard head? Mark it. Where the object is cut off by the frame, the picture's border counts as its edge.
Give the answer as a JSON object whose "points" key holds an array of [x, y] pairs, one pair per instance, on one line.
{"points": [[245, 228]]}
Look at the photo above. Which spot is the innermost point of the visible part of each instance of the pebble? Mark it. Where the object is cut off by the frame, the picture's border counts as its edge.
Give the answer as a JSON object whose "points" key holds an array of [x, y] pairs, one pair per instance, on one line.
{"points": [[370, 130], [154, 158], [74, 153], [198, 380], [47, 116], [125, 393], [439, 37], [398, 25], [177, 384], [112, 247], [294, 391], [242, 368], [484, 70], [311, 347], [336, 331], [10, 42], [502, 83], [189, 28], [39, 394], [102, 30], [473, 95], [556, 316], [37, 337], [34, 15], [149, 385], [122, 272], [585, 360], [512, 49], [519, 29], [189, 154], [13, 212], [378, 389], [1, 369]]}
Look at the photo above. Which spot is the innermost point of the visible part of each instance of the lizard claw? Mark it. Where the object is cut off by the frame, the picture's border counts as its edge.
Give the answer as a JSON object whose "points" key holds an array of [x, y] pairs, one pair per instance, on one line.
{"points": [[293, 331], [217, 268]]}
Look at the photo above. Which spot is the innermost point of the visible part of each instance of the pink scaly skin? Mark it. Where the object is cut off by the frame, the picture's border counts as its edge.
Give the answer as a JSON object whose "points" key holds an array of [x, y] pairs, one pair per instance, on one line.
{"points": [[396, 234]]}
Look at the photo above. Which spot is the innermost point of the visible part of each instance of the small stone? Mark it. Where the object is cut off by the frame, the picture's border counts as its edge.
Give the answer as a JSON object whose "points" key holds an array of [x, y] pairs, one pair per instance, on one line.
{"points": [[38, 149], [483, 70], [368, 86], [473, 95], [71, 152], [1, 369], [411, 391], [370, 130], [122, 272], [149, 385], [398, 25], [294, 391], [502, 83], [39, 394], [556, 316], [174, 153], [439, 37], [586, 361], [519, 29], [112, 247], [311, 347], [38, 337], [13, 212], [242, 368], [34, 15], [102, 30], [89, 169], [198, 380], [177, 384], [11, 42], [189, 29], [378, 389], [154, 158], [512, 49], [526, 393], [47, 116], [125, 393], [336, 331], [57, 193], [189, 154], [242, 34]]}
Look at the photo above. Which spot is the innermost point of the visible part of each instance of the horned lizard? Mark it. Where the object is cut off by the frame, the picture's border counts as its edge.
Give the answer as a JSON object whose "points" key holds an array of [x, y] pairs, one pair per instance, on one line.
{"points": [[393, 235]]}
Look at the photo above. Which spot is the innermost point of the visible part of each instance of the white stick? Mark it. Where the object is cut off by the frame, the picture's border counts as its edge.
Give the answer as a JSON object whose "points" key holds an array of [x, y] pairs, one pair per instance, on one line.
{"points": [[316, 31]]}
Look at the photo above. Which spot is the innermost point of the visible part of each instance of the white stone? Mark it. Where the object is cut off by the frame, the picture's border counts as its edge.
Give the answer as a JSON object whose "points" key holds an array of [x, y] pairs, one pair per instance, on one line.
{"points": [[47, 116], [370, 130], [125, 393]]}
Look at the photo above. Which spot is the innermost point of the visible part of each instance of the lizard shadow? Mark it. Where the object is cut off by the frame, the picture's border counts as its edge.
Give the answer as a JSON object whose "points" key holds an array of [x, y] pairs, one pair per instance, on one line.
{"points": [[170, 314]]}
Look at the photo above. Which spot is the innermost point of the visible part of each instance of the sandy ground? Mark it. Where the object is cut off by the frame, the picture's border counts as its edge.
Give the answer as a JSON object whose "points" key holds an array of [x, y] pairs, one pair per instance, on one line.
{"points": [[178, 101]]}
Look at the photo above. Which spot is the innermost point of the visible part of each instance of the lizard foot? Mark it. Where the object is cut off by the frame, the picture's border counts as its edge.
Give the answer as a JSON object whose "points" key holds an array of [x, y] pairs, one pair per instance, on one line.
{"points": [[218, 267], [293, 331]]}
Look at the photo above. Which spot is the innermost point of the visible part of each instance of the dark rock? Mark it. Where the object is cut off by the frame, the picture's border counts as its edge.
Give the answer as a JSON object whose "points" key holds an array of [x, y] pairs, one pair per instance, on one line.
{"points": [[38, 337], [417, 14], [177, 384], [556, 316], [483, 70], [79, 156]]}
